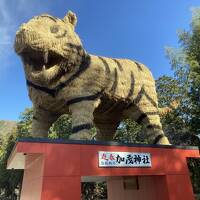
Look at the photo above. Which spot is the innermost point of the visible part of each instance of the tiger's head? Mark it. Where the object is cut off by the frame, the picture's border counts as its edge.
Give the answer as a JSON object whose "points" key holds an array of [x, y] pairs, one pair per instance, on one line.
{"points": [[49, 47]]}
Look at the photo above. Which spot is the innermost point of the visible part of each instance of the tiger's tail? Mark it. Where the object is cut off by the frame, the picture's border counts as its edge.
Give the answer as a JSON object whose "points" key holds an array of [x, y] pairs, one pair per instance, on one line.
{"points": [[165, 110]]}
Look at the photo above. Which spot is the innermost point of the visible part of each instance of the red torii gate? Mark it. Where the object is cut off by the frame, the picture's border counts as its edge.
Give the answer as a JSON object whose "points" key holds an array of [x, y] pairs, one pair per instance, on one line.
{"points": [[54, 170]]}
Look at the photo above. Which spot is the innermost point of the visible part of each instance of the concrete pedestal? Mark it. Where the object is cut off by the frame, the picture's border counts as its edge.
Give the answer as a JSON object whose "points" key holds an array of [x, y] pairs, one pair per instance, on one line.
{"points": [[54, 170]]}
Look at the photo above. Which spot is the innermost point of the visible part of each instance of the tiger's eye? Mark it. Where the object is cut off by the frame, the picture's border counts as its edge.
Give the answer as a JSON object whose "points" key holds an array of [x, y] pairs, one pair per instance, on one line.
{"points": [[54, 29]]}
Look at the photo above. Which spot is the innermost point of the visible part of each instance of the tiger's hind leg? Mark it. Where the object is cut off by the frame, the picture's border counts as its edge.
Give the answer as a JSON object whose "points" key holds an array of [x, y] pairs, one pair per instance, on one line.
{"points": [[154, 129], [147, 113]]}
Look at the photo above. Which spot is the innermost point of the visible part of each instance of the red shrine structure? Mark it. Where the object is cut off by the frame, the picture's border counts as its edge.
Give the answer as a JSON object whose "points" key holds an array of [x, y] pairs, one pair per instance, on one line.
{"points": [[54, 169]]}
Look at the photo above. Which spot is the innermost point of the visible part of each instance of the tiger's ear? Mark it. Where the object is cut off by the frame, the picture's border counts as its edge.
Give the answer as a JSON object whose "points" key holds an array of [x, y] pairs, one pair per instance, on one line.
{"points": [[71, 18]]}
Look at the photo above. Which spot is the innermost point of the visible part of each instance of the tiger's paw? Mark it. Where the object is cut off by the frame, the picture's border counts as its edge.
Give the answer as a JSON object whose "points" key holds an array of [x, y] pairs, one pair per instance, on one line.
{"points": [[163, 141], [80, 136]]}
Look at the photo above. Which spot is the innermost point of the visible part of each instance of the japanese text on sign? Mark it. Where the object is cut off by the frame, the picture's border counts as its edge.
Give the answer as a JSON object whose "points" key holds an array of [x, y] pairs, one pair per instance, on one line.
{"points": [[124, 159]]}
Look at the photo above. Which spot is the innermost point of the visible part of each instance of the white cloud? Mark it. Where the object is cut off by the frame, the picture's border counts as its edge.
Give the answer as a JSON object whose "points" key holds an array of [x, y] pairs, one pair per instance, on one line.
{"points": [[5, 26], [4, 35], [12, 14], [5, 16]]}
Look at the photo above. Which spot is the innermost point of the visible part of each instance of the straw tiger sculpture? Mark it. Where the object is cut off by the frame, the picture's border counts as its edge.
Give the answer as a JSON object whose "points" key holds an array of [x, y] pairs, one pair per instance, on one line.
{"points": [[63, 78]]}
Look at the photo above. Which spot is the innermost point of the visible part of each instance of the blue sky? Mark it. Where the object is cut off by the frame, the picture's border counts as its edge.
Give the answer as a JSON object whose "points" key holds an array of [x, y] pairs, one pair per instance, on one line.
{"points": [[135, 29]]}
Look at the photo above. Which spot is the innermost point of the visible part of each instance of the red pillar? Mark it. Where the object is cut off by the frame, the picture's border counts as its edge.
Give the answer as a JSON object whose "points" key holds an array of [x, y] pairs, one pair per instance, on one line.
{"points": [[179, 187], [61, 188], [62, 178], [33, 177], [54, 175]]}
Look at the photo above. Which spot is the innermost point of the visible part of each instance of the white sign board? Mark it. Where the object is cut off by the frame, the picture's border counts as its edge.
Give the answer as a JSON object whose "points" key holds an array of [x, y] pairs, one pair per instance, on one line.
{"points": [[124, 159]]}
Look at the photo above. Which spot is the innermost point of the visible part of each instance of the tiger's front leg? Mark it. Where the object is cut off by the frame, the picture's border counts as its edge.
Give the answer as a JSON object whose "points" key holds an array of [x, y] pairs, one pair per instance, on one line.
{"points": [[82, 119], [42, 121]]}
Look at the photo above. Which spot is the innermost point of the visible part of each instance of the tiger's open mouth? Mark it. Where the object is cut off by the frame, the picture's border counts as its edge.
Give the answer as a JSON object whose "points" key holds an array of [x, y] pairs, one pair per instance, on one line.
{"points": [[40, 61], [43, 66]]}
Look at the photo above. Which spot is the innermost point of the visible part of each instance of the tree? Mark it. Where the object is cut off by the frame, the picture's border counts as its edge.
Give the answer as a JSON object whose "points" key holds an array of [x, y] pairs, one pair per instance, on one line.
{"points": [[130, 132], [10, 180], [185, 62], [61, 128], [174, 123]]}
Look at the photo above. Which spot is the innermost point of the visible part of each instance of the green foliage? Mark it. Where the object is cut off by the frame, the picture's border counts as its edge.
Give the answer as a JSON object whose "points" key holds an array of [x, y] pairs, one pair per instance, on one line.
{"points": [[167, 90], [61, 128], [25, 122], [130, 131], [186, 64], [94, 191], [174, 123], [10, 180], [6, 127]]}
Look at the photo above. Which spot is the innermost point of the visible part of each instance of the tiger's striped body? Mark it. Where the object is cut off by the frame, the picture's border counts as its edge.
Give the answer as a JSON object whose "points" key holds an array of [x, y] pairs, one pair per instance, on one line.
{"points": [[96, 90]]}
